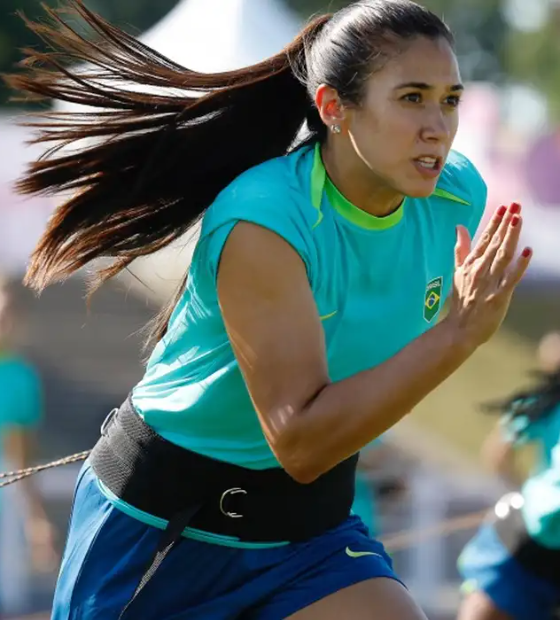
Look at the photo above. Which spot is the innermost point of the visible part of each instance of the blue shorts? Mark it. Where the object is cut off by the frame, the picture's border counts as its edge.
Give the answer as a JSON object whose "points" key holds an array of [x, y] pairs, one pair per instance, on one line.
{"points": [[486, 565], [108, 551]]}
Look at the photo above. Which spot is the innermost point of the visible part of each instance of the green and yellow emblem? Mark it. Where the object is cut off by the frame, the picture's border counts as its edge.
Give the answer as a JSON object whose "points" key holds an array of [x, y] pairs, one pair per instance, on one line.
{"points": [[432, 299]]}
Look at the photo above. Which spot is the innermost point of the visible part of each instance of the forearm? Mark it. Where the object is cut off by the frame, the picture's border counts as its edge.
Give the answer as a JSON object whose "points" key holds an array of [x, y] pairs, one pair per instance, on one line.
{"points": [[348, 414]]}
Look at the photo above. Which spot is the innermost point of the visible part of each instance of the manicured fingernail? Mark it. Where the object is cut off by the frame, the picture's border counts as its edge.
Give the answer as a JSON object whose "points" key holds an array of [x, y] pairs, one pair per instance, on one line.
{"points": [[514, 220], [501, 211], [526, 252], [515, 208]]}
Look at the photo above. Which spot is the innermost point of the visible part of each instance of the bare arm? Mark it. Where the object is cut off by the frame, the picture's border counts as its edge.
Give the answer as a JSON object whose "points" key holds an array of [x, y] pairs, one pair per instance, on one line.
{"points": [[310, 422]]}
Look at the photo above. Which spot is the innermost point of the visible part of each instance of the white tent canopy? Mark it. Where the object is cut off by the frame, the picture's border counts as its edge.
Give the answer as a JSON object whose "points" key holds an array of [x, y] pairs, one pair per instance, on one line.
{"points": [[218, 35]]}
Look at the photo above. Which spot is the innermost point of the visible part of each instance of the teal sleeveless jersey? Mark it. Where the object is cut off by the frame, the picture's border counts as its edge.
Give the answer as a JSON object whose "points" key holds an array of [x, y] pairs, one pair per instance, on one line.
{"points": [[541, 490], [378, 284]]}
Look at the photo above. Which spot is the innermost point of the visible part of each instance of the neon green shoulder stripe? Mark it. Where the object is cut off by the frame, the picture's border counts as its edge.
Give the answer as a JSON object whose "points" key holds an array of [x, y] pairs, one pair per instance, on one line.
{"points": [[443, 193], [318, 176]]}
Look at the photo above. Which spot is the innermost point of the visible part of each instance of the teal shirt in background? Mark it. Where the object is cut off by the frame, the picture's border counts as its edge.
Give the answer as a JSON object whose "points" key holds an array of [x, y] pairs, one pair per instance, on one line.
{"points": [[541, 490], [378, 284], [21, 401]]}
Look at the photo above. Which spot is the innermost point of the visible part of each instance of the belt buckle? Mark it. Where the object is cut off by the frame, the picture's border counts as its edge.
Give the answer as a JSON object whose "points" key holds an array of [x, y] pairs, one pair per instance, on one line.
{"points": [[225, 495], [107, 421]]}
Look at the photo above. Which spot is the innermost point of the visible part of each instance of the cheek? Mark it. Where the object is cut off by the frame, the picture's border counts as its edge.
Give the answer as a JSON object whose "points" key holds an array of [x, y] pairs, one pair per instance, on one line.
{"points": [[383, 136], [365, 124], [453, 125]]}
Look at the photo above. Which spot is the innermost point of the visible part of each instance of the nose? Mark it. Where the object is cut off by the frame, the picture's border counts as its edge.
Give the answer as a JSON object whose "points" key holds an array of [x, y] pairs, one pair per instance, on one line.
{"points": [[437, 126]]}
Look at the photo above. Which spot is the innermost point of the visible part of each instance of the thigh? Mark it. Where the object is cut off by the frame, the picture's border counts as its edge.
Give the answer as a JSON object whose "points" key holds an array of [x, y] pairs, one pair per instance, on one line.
{"points": [[329, 572], [374, 599]]}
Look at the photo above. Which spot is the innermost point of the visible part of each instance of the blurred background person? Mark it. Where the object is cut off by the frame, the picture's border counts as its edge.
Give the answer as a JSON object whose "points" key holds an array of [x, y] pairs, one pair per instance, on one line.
{"points": [[512, 565], [21, 406], [499, 450]]}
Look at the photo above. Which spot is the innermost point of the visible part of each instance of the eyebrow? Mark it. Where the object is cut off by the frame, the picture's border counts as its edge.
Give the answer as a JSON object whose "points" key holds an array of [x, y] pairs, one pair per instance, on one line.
{"points": [[424, 86]]}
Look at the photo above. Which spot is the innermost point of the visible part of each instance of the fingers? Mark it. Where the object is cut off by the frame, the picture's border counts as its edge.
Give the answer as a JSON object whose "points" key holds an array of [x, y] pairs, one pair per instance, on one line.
{"points": [[489, 232], [517, 270], [496, 242], [463, 246], [508, 248]]}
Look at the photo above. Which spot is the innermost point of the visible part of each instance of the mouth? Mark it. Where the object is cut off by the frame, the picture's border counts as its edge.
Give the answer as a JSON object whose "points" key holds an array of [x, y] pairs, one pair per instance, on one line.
{"points": [[428, 166]]}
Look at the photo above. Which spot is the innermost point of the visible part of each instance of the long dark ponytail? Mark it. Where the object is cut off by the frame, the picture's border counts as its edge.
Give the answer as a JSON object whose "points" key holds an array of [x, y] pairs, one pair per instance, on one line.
{"points": [[160, 158], [163, 152]]}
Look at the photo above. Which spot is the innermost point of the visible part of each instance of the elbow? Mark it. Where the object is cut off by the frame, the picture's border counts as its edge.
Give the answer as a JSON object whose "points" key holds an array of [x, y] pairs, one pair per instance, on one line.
{"points": [[297, 457], [302, 473]]}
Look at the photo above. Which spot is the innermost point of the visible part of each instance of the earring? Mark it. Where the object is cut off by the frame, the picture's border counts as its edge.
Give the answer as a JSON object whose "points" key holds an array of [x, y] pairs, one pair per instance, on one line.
{"points": [[336, 128]]}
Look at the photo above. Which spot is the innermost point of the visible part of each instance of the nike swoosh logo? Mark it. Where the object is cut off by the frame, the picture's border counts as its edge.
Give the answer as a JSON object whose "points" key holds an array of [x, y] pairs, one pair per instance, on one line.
{"points": [[360, 554]]}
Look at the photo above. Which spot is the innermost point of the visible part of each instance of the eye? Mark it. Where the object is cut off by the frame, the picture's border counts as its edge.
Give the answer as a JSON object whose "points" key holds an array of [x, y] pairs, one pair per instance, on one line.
{"points": [[412, 98], [453, 101]]}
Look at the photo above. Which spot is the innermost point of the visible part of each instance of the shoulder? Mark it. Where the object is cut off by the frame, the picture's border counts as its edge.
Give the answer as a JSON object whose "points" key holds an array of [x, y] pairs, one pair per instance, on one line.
{"points": [[276, 189], [461, 178], [275, 195], [462, 184]]}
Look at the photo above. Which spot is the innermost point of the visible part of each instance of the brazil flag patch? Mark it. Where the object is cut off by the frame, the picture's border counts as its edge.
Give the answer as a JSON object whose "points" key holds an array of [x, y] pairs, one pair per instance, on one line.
{"points": [[432, 298]]}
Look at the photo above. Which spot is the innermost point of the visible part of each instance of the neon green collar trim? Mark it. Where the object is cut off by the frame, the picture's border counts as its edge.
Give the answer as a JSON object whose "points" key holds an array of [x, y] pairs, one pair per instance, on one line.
{"points": [[320, 183]]}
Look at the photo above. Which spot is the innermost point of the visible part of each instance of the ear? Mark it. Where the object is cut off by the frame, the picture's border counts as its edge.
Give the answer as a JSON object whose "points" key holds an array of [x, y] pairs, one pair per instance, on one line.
{"points": [[329, 106]]}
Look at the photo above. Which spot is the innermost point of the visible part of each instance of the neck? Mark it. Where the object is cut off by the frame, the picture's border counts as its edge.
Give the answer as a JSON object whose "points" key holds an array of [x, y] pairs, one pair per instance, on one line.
{"points": [[357, 183]]}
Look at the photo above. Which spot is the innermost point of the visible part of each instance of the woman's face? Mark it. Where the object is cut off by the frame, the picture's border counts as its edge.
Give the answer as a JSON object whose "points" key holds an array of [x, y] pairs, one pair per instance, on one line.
{"points": [[406, 123]]}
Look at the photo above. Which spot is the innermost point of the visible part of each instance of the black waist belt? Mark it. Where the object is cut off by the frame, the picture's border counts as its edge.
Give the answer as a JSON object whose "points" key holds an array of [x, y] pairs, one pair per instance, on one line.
{"points": [[188, 489], [158, 477], [541, 561]]}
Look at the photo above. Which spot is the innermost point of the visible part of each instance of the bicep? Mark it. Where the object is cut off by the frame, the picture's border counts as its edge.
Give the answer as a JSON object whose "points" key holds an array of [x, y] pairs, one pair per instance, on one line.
{"points": [[272, 321]]}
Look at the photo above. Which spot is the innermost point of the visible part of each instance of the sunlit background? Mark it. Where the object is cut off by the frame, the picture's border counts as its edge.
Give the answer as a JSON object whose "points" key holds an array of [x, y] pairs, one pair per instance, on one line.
{"points": [[88, 359]]}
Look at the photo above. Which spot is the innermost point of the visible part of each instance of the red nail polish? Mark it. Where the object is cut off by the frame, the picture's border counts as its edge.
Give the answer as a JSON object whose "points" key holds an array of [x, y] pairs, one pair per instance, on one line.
{"points": [[515, 208], [501, 211], [514, 220], [526, 252]]}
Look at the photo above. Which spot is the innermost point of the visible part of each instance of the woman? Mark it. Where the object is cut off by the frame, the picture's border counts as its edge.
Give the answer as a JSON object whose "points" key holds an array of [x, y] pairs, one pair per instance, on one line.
{"points": [[512, 566], [307, 325]]}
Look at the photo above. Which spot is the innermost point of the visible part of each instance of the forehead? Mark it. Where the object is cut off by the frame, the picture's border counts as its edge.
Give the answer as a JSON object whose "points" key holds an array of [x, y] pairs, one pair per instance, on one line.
{"points": [[432, 62]]}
